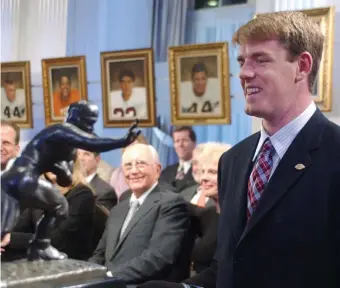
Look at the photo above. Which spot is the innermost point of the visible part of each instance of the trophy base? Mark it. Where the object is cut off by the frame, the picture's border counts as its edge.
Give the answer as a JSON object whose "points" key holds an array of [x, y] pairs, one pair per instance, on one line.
{"points": [[56, 273]]}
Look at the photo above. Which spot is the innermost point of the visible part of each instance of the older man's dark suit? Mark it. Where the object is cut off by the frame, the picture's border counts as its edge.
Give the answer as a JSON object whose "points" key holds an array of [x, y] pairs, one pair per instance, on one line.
{"points": [[293, 237], [155, 244]]}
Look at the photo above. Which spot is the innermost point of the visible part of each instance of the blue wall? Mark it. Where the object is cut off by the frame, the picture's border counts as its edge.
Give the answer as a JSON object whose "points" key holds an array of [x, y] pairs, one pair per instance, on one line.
{"points": [[96, 26]]}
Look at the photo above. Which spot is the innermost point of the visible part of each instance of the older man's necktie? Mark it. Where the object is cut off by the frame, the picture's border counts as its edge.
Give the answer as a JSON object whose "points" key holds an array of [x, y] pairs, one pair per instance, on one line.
{"points": [[259, 177], [134, 205]]}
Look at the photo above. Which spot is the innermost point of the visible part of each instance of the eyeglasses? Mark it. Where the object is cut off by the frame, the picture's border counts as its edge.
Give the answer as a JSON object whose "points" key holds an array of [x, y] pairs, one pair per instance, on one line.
{"points": [[140, 165]]}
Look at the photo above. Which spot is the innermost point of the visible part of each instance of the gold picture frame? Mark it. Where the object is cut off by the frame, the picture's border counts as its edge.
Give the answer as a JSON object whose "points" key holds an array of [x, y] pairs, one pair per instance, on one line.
{"points": [[199, 84], [325, 18], [322, 93], [128, 88], [16, 84], [64, 82]]}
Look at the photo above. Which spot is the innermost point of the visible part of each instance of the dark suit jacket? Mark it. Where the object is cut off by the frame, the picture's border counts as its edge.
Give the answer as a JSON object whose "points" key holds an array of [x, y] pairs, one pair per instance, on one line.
{"points": [[154, 245], [72, 235], [204, 222], [104, 193], [293, 237], [168, 176]]}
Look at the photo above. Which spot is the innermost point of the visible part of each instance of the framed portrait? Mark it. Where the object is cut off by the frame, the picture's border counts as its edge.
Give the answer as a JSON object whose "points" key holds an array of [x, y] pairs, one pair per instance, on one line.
{"points": [[64, 82], [322, 90], [16, 98], [128, 88], [199, 77]]}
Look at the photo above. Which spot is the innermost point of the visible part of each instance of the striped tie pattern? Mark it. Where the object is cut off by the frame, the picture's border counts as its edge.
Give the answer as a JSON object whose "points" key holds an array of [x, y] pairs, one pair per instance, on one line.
{"points": [[259, 177]]}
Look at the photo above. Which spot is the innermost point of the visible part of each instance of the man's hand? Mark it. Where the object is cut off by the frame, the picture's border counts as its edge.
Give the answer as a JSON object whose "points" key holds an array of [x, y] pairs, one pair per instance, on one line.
{"points": [[5, 241], [133, 133]]}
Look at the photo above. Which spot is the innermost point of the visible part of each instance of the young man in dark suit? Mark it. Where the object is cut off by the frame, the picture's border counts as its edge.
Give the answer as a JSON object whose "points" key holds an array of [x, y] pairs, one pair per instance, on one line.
{"points": [[279, 189], [104, 193], [179, 176]]}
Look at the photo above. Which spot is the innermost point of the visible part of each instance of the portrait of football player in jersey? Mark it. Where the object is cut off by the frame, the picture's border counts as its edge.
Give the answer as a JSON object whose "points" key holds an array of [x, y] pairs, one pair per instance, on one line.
{"points": [[129, 101], [127, 89], [65, 89], [15, 93], [65, 84], [199, 85]]}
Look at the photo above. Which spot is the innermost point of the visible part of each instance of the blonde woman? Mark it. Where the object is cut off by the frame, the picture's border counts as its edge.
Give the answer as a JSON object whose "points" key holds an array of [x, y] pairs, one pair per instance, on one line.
{"points": [[205, 211], [73, 235], [208, 161], [193, 193]]}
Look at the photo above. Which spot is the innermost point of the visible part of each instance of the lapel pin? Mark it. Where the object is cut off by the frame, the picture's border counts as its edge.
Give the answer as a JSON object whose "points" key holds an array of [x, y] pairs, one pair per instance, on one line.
{"points": [[300, 166]]}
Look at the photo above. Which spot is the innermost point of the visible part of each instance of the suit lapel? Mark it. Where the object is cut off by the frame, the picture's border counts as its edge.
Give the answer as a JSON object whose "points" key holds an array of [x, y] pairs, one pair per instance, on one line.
{"points": [[93, 182], [143, 210], [188, 175], [286, 175], [174, 171], [117, 217], [240, 178]]}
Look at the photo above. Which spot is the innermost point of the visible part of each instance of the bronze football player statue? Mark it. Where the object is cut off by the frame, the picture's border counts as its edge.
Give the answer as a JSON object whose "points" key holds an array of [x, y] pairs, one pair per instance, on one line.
{"points": [[51, 150]]}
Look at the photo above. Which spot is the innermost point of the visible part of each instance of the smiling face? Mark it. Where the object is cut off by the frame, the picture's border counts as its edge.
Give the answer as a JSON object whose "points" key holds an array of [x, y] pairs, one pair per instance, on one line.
{"points": [[183, 144], [199, 83], [268, 78], [9, 147], [126, 85], [10, 91], [65, 87], [208, 178], [141, 168]]}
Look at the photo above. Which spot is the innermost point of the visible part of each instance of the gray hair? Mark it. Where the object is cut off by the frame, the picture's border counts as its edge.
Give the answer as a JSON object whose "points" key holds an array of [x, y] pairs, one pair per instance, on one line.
{"points": [[152, 150]]}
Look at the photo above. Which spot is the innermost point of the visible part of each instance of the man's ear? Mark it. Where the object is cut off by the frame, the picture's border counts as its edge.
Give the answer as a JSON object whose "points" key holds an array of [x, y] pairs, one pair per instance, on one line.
{"points": [[159, 168], [17, 149], [98, 158], [304, 67]]}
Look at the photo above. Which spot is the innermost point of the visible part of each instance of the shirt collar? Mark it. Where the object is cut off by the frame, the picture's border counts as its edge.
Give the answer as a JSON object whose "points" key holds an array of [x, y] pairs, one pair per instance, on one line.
{"points": [[90, 177], [142, 198], [186, 165], [282, 139]]}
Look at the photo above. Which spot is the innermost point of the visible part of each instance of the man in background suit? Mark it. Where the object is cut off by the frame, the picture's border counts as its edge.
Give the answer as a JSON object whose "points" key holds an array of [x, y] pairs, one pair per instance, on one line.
{"points": [[104, 193], [146, 237], [10, 147], [179, 176], [279, 188]]}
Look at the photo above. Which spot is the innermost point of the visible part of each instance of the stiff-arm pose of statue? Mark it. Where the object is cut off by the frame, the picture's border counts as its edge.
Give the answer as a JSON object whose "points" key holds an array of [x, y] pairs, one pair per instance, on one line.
{"points": [[51, 150]]}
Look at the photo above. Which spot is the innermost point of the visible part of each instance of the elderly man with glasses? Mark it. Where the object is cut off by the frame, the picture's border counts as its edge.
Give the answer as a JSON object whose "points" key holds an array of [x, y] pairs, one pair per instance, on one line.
{"points": [[146, 235]]}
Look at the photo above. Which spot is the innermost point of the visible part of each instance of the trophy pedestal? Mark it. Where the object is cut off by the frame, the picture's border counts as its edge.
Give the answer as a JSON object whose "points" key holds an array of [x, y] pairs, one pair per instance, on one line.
{"points": [[57, 273]]}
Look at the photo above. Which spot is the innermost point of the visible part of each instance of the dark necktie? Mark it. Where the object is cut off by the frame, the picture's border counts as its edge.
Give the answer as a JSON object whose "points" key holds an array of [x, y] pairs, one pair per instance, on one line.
{"points": [[180, 173]]}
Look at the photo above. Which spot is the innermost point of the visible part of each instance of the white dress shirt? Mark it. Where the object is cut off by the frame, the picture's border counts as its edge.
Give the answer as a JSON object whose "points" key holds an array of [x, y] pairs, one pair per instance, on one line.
{"points": [[142, 198], [90, 177], [282, 139], [185, 164]]}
